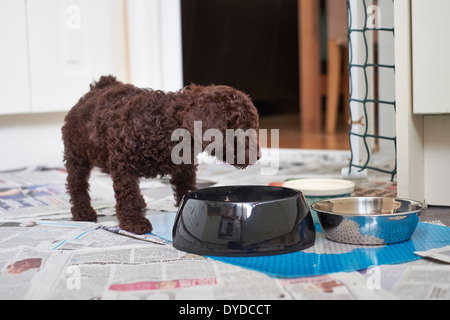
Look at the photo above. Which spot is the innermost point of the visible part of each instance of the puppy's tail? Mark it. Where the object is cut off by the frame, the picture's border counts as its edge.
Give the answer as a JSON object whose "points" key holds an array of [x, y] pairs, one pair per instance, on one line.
{"points": [[103, 82]]}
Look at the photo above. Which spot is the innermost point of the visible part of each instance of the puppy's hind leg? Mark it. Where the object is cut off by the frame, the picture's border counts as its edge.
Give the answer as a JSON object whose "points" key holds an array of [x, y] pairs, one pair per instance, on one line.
{"points": [[78, 172]]}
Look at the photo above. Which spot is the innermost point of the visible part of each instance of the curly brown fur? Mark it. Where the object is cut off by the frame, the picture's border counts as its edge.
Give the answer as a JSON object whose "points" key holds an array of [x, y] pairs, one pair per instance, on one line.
{"points": [[126, 132]]}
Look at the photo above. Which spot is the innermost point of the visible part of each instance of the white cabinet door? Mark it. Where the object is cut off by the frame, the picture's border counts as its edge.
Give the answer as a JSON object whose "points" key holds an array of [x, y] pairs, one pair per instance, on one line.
{"points": [[72, 43], [436, 159], [15, 82], [431, 54]]}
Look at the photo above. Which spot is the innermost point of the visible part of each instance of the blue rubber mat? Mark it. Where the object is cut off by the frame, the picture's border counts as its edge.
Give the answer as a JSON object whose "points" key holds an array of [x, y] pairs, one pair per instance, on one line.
{"points": [[320, 260], [327, 256]]}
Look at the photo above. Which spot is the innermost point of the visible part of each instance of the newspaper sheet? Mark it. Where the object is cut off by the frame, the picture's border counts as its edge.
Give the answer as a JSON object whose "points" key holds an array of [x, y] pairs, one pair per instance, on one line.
{"points": [[66, 260], [45, 235], [419, 280], [113, 227], [43, 193], [161, 272], [82, 261], [56, 259], [441, 254]]}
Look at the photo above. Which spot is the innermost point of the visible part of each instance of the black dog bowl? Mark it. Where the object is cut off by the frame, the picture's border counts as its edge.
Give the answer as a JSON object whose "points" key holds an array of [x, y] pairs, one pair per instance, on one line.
{"points": [[243, 221]]}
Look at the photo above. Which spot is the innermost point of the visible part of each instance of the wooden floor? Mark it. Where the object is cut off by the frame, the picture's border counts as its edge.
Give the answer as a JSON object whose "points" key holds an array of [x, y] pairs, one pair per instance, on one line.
{"points": [[291, 136]]}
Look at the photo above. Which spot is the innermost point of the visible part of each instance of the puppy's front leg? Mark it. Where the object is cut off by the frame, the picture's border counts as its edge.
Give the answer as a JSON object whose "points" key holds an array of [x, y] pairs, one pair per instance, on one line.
{"points": [[184, 179], [129, 203]]}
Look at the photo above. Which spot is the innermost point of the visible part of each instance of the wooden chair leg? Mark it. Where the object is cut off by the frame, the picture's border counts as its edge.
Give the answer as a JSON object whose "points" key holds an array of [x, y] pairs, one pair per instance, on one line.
{"points": [[310, 99], [346, 87], [334, 75]]}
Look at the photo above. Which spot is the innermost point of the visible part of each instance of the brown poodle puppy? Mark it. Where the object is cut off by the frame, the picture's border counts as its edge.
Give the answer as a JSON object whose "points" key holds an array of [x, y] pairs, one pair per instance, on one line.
{"points": [[127, 132]]}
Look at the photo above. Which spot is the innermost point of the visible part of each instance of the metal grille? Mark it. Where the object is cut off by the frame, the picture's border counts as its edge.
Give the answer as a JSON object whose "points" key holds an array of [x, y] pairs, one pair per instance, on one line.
{"points": [[366, 72]]}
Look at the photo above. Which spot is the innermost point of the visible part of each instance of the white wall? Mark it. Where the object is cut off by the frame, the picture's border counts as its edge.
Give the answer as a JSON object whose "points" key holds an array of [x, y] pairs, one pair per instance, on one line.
{"points": [[154, 40], [31, 140], [155, 61]]}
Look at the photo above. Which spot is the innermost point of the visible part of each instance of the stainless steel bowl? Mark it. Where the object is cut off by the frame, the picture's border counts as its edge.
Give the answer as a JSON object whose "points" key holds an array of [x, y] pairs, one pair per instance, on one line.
{"points": [[243, 221], [367, 220]]}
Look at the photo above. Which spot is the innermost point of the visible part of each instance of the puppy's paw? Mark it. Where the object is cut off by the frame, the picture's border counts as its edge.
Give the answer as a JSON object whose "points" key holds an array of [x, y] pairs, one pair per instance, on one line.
{"points": [[85, 214], [138, 226]]}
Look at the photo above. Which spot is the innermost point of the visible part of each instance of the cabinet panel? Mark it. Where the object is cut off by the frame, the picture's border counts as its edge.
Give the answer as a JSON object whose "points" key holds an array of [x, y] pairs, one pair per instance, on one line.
{"points": [[436, 159], [72, 43], [431, 50], [15, 82]]}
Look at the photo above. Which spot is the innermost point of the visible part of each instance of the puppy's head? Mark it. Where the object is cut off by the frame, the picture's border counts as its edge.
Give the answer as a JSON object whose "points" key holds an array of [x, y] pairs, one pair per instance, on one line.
{"points": [[229, 124]]}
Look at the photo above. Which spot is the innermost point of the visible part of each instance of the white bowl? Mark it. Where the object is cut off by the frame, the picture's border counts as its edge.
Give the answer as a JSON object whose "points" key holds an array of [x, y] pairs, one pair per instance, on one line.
{"points": [[321, 189]]}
